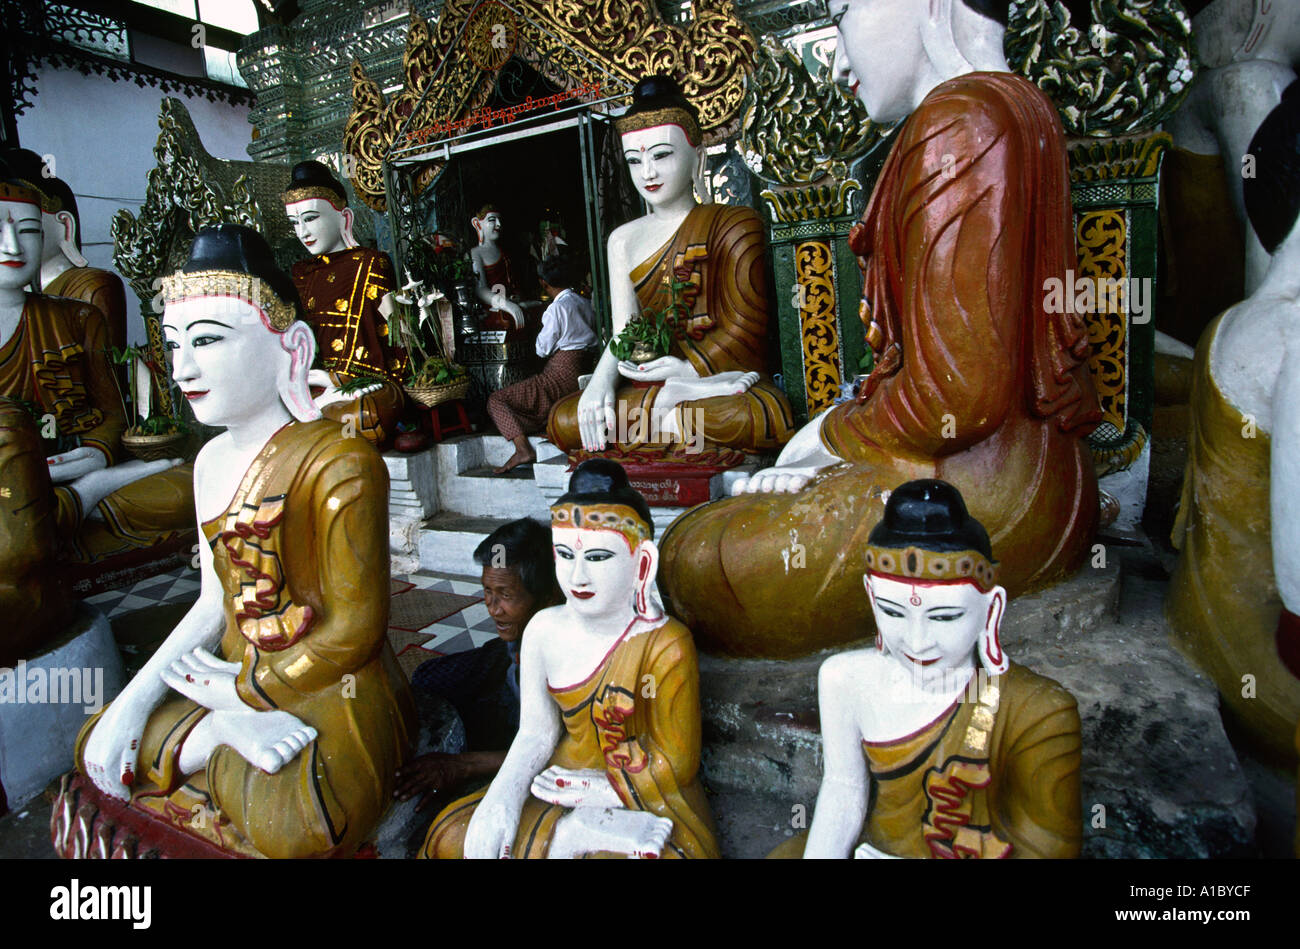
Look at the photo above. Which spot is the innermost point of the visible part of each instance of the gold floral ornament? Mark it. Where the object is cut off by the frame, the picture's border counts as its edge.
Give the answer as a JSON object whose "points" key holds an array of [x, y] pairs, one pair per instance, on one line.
{"points": [[254, 291], [916, 563], [603, 517], [314, 192], [1130, 70], [573, 44], [797, 130]]}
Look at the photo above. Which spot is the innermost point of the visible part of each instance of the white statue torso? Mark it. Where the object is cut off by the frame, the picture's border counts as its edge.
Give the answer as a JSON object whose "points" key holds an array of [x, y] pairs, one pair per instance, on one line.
{"points": [[887, 704]]}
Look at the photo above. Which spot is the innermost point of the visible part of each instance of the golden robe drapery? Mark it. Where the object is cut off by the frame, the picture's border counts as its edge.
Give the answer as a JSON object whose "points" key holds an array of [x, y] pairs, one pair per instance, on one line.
{"points": [[302, 555], [645, 739]]}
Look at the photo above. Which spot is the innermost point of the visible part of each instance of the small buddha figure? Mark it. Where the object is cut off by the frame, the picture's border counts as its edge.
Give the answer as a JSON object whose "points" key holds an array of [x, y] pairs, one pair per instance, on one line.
{"points": [[601, 765], [54, 359], [64, 271], [976, 380], [344, 291], [936, 744], [275, 709], [494, 281], [1234, 597], [714, 380]]}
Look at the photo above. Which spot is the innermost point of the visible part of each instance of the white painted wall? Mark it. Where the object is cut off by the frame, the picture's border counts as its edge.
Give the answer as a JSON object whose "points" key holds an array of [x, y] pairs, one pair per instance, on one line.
{"points": [[101, 134]]}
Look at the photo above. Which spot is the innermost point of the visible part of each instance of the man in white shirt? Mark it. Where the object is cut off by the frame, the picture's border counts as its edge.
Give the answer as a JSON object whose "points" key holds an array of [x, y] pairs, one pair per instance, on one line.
{"points": [[566, 341]]}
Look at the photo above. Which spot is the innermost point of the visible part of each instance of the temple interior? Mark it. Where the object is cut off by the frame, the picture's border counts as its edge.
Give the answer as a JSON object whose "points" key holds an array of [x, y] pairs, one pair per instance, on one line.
{"points": [[886, 413]]}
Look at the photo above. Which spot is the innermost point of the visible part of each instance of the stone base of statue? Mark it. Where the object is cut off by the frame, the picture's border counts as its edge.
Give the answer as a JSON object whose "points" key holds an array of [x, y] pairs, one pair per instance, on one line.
{"points": [[44, 701], [1159, 776]]}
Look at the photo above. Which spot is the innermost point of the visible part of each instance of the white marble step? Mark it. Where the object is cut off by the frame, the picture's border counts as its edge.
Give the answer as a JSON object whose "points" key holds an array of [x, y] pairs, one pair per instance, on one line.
{"points": [[466, 484], [447, 541]]}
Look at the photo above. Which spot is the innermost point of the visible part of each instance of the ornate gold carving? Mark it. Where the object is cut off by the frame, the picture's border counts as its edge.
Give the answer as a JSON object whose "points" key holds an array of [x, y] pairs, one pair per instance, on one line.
{"points": [[571, 43], [817, 326], [491, 35], [797, 130], [811, 202], [1101, 238], [1130, 70], [1107, 159]]}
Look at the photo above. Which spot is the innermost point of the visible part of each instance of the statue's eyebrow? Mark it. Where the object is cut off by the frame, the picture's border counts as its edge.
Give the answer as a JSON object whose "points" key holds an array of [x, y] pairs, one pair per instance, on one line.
{"points": [[224, 326]]}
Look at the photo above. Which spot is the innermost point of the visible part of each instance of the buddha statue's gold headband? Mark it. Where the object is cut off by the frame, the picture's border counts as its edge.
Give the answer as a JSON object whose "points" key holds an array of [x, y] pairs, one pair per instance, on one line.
{"points": [[603, 517], [669, 115], [23, 192], [48, 203], [314, 192], [229, 283], [917, 563]]}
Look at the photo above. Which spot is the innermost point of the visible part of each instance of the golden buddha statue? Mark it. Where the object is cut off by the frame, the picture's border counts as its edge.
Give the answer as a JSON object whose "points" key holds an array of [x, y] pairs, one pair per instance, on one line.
{"points": [[607, 756], [936, 744], [345, 290], [273, 718], [1234, 596], [976, 380], [54, 365], [713, 382]]}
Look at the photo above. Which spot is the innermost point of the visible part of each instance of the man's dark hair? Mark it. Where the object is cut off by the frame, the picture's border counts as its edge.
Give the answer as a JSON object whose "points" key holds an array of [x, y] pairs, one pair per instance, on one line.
{"points": [[557, 270], [1272, 194], [523, 546]]}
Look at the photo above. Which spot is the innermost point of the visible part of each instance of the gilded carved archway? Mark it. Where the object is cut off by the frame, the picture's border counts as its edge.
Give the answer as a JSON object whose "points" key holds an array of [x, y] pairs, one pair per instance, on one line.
{"points": [[578, 45]]}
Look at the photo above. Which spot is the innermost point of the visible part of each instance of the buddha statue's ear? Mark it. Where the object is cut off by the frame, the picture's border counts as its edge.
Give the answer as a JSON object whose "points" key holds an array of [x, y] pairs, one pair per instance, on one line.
{"points": [[647, 602], [992, 658], [702, 189], [68, 239], [299, 345], [871, 598], [349, 241]]}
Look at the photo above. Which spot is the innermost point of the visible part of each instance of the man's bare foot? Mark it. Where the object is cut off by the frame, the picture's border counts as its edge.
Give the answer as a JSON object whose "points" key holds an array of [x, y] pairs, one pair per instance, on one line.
{"points": [[520, 457]]}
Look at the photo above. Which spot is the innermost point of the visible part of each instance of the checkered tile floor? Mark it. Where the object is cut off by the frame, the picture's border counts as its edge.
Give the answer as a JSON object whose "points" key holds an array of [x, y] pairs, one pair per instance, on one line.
{"points": [[449, 616]]}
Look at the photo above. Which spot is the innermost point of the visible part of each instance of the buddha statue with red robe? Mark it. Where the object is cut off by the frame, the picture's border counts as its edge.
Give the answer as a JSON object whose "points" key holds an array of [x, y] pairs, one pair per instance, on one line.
{"points": [[975, 381], [343, 290]]}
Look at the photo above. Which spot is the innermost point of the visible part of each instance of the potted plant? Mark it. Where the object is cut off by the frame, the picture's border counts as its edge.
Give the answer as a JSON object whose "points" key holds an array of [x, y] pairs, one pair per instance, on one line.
{"points": [[435, 377], [147, 436]]}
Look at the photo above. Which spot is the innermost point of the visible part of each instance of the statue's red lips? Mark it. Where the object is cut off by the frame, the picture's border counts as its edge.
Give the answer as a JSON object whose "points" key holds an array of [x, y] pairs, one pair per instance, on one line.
{"points": [[582, 595]]}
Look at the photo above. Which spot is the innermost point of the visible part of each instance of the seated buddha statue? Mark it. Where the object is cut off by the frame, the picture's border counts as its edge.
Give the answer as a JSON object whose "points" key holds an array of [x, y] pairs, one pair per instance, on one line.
{"points": [[273, 718], [494, 281], [54, 360], [936, 745], [1234, 598], [975, 380], [64, 271], [344, 291], [606, 758], [714, 378]]}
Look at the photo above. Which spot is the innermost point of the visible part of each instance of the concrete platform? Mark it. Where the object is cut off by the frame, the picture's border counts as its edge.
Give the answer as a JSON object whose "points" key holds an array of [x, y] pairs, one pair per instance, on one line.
{"points": [[46, 699]]}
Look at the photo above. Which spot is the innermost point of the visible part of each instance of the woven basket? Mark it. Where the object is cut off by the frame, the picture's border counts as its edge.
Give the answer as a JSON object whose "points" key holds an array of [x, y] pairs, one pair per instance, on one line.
{"points": [[154, 447], [430, 396]]}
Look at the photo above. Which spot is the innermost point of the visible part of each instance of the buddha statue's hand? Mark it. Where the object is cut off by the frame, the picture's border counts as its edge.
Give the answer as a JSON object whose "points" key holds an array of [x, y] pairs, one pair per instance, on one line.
{"points": [[569, 787], [596, 415], [868, 852], [70, 465], [511, 307], [203, 678], [638, 834], [491, 831], [658, 370], [114, 744]]}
